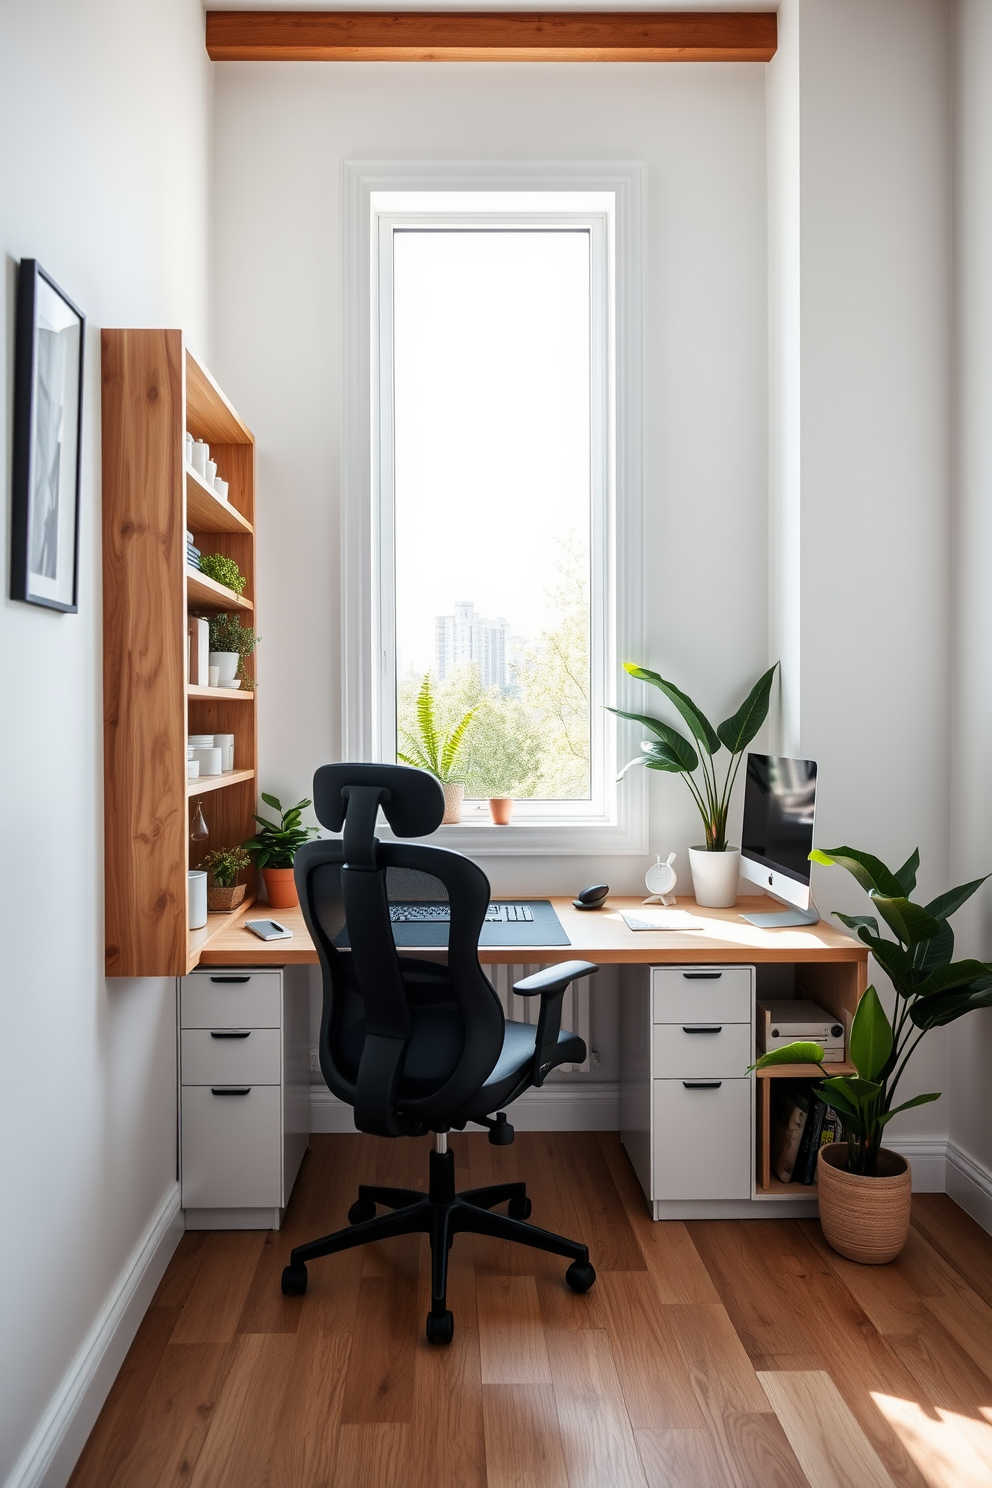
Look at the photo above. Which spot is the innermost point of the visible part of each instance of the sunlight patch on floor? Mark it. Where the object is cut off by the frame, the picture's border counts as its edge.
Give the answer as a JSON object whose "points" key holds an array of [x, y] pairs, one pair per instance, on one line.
{"points": [[951, 1450]]}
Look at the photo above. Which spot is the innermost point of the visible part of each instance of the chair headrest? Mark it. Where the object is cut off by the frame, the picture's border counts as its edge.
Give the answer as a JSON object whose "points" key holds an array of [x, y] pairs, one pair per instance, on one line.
{"points": [[412, 800]]}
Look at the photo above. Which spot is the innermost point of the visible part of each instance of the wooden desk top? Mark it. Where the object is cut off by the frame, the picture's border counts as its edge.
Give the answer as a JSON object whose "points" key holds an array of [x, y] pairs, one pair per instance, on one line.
{"points": [[596, 935]]}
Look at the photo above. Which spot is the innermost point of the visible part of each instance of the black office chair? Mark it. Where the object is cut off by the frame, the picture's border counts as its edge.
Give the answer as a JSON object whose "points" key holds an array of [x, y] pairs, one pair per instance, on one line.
{"points": [[418, 1046]]}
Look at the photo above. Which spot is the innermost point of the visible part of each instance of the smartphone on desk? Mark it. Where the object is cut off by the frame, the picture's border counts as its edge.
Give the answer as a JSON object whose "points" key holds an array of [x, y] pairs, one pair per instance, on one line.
{"points": [[268, 929]]}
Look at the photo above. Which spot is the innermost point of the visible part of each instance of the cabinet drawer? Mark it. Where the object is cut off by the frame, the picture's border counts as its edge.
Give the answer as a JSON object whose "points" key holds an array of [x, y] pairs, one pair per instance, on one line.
{"points": [[231, 999], [232, 1148], [702, 994], [702, 1140], [721, 1050], [230, 1056]]}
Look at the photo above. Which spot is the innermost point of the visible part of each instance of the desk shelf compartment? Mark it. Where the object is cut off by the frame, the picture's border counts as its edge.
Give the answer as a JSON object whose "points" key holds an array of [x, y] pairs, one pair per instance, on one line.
{"points": [[154, 390]]}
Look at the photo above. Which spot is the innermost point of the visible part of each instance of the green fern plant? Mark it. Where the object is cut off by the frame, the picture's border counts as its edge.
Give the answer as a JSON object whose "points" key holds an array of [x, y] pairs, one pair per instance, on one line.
{"points": [[430, 748]]}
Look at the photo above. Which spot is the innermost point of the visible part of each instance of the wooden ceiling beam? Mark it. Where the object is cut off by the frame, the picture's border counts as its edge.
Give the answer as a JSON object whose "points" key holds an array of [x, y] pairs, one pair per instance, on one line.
{"points": [[552, 36]]}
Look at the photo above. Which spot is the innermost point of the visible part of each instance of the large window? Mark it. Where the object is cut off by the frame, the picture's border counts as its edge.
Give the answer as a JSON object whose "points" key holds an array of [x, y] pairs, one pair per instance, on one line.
{"points": [[493, 520]]}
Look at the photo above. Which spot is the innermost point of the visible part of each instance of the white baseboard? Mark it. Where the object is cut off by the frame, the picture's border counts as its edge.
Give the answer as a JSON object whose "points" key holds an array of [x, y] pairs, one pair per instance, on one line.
{"points": [[51, 1453], [593, 1105], [969, 1183], [928, 1160]]}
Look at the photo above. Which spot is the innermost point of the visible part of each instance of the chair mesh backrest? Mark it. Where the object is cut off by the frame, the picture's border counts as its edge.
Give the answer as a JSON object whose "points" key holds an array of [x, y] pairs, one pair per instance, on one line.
{"points": [[454, 977]]}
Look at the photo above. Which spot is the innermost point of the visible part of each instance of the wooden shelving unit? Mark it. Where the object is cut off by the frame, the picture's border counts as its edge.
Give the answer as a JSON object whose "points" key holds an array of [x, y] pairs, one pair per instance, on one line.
{"points": [[154, 390], [836, 986]]}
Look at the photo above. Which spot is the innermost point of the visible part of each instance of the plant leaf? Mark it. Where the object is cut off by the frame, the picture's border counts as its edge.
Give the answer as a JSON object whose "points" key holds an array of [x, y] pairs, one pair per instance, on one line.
{"points": [[907, 873], [832, 1092], [801, 1051], [272, 801], [947, 904], [946, 1007], [870, 872], [871, 1037], [857, 922], [954, 974], [681, 753], [677, 743], [453, 743], [702, 730], [896, 962], [426, 723], [918, 1100], [908, 920], [736, 733], [937, 951]]}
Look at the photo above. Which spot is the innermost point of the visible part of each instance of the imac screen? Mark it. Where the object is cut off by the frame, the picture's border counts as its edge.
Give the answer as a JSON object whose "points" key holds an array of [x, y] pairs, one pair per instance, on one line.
{"points": [[779, 797]]}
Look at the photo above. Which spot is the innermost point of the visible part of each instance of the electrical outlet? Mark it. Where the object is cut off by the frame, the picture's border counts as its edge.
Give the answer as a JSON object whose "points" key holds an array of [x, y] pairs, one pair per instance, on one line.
{"points": [[594, 1057], [314, 1060]]}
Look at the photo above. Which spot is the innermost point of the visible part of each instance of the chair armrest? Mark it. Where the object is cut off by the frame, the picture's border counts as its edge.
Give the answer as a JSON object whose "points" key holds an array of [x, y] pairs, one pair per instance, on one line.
{"points": [[553, 978]]}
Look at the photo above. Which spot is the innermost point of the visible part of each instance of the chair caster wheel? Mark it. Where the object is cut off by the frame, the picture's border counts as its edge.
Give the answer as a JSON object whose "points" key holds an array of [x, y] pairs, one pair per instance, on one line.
{"points": [[519, 1208], [440, 1327], [294, 1281], [580, 1276], [360, 1211]]}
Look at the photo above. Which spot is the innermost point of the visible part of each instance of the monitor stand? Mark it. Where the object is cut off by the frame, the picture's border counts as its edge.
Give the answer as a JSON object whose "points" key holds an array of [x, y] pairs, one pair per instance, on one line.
{"points": [[786, 918]]}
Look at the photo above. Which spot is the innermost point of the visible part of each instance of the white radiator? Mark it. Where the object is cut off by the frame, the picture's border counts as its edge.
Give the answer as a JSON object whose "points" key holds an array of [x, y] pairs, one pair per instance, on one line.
{"points": [[574, 1011]]}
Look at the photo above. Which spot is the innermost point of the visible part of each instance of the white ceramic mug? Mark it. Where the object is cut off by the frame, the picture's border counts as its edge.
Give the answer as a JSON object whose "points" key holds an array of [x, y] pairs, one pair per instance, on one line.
{"points": [[221, 487], [211, 472], [211, 760], [196, 898], [200, 456], [225, 743], [213, 676]]}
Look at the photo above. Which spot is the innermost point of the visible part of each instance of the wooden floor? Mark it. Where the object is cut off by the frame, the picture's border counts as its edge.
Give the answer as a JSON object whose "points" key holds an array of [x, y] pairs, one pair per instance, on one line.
{"points": [[708, 1353]]}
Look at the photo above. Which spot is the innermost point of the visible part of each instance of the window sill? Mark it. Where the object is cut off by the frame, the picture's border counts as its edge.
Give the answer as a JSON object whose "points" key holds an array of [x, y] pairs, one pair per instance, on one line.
{"points": [[479, 837]]}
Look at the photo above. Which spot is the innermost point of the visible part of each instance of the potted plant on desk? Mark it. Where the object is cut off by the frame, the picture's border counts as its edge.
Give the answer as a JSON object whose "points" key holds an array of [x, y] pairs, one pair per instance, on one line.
{"points": [[274, 847], [225, 893], [864, 1188], [436, 752], [715, 866]]}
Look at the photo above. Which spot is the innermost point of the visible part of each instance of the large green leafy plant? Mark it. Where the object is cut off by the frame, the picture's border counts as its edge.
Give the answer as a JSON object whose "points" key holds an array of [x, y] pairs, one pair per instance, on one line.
{"points": [[430, 748], [276, 844], [671, 751], [932, 989]]}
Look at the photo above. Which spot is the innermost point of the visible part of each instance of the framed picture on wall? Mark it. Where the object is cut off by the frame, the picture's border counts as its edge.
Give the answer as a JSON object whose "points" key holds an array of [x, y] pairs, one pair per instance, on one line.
{"points": [[48, 406]]}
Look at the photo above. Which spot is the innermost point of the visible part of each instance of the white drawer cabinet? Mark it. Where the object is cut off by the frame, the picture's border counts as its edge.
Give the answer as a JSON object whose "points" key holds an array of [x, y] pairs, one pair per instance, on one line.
{"points": [[686, 1098], [244, 1055]]}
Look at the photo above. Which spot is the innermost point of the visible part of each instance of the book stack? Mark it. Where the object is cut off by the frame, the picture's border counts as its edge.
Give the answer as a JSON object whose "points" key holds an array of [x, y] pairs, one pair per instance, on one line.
{"points": [[192, 552], [802, 1123]]}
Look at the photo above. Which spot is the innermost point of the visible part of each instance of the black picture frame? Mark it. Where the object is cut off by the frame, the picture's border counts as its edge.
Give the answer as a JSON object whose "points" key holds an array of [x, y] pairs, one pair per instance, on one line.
{"points": [[49, 351]]}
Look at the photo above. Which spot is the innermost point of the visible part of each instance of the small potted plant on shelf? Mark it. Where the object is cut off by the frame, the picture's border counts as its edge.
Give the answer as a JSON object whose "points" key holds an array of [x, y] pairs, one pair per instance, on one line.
{"points": [[864, 1188], [436, 752], [715, 865], [230, 643], [223, 570], [225, 893], [274, 847]]}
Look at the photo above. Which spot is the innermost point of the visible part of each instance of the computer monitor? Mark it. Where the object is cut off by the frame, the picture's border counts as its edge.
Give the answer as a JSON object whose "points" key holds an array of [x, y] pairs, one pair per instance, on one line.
{"points": [[777, 836]]}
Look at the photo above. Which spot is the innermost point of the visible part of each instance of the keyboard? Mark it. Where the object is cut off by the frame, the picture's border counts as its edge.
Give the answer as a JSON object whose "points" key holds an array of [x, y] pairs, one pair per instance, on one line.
{"points": [[421, 912]]}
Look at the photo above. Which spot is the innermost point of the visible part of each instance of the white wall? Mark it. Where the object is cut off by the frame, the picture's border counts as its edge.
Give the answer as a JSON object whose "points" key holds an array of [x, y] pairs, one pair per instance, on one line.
{"points": [[971, 1039], [104, 113], [860, 151]]}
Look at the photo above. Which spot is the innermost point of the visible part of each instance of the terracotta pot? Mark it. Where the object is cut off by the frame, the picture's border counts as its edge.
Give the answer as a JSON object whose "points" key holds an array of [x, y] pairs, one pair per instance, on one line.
{"points": [[454, 795], [715, 877], [501, 809], [864, 1219], [224, 897], [280, 887]]}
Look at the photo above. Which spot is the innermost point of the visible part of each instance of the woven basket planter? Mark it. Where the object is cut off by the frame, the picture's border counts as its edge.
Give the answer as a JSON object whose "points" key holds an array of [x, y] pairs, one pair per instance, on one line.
{"points": [[454, 795], [219, 897], [864, 1219]]}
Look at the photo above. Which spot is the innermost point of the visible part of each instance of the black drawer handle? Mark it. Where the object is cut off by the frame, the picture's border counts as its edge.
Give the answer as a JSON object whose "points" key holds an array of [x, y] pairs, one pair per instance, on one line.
{"points": [[230, 1033], [702, 1084], [230, 1090], [690, 1028], [702, 976], [231, 979]]}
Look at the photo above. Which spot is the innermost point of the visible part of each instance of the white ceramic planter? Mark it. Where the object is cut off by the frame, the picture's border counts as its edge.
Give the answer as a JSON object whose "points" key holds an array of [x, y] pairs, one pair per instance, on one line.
{"points": [[715, 877], [226, 663], [454, 795]]}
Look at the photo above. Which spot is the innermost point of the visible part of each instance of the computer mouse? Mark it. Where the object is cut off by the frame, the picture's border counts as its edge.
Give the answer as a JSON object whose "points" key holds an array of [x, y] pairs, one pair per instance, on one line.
{"points": [[592, 898]]}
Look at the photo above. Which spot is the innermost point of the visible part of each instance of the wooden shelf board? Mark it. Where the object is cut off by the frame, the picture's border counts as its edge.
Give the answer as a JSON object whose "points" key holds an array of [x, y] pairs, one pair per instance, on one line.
{"points": [[778, 1190], [805, 1071], [209, 415], [197, 941], [204, 783], [343, 36], [206, 512], [204, 591], [222, 694]]}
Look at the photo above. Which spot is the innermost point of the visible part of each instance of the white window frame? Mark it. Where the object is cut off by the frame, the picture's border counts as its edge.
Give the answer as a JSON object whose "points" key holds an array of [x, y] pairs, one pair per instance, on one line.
{"points": [[375, 205]]}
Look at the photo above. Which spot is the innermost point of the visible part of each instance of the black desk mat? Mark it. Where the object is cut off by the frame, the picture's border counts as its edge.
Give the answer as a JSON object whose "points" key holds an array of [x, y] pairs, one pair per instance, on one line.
{"points": [[544, 930]]}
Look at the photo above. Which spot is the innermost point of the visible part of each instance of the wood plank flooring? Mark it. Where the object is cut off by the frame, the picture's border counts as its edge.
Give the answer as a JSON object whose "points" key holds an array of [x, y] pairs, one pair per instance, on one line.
{"points": [[745, 1354]]}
